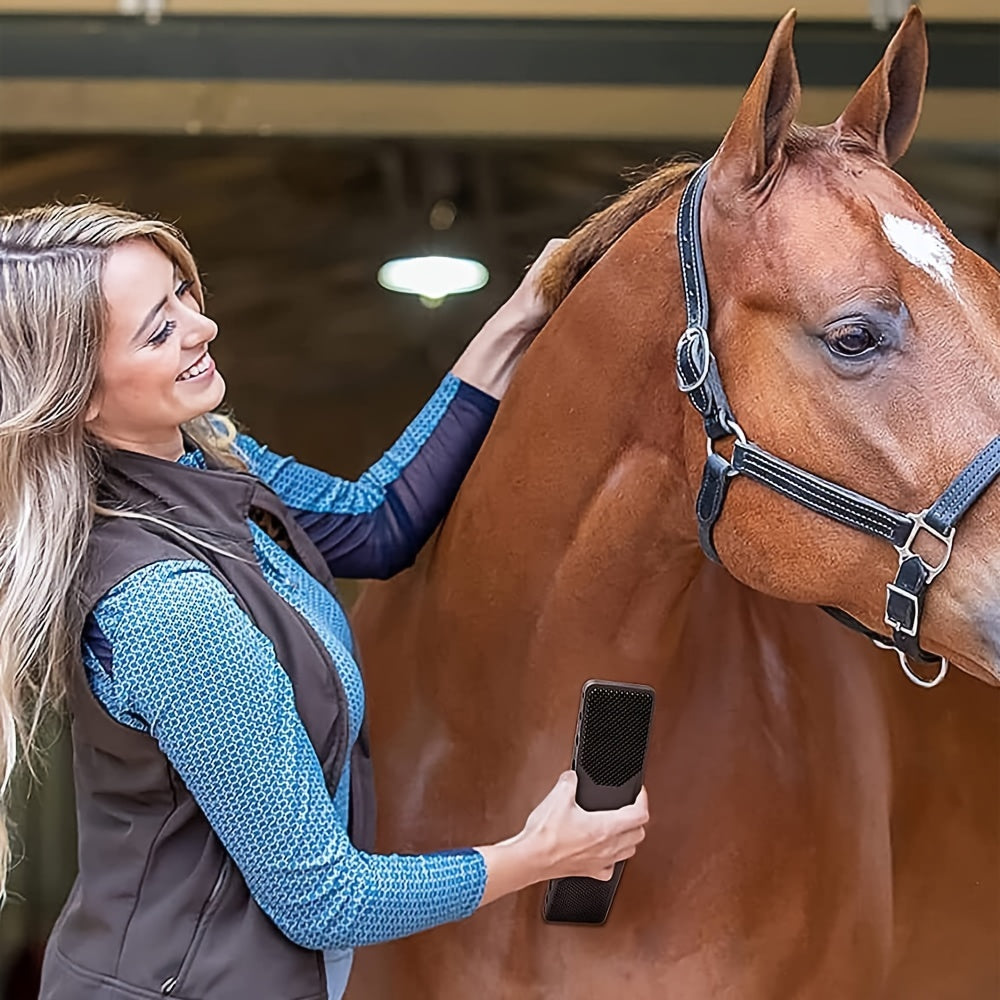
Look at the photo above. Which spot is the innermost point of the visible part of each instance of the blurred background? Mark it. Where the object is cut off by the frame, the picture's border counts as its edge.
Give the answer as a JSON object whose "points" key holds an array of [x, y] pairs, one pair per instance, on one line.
{"points": [[302, 144]]}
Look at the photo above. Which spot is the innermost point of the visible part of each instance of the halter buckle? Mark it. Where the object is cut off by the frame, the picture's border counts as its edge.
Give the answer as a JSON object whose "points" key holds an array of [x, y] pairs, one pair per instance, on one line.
{"points": [[947, 539], [897, 623], [694, 344]]}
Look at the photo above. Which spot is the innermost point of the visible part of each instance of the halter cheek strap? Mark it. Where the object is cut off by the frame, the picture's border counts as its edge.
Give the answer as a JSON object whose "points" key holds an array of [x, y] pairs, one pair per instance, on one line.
{"points": [[698, 378]]}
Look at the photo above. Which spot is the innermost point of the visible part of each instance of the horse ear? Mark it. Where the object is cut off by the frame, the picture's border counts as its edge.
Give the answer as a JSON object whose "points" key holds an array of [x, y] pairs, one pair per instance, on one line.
{"points": [[756, 138], [884, 112]]}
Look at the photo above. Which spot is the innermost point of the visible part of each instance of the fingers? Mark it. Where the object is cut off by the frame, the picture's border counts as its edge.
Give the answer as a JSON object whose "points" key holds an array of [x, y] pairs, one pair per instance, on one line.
{"points": [[565, 787], [549, 249], [582, 842], [639, 810], [622, 851], [632, 817], [620, 841], [626, 845], [632, 838]]}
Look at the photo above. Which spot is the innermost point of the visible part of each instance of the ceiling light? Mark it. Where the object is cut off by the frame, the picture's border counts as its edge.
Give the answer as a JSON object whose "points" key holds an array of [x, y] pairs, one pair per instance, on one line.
{"points": [[433, 278]]}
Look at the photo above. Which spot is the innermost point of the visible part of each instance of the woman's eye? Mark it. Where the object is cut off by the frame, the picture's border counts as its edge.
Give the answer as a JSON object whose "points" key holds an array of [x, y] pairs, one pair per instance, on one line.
{"points": [[183, 288], [161, 335], [852, 341]]}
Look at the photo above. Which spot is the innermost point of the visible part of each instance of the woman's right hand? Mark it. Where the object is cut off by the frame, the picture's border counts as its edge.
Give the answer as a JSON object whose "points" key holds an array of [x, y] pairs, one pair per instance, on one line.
{"points": [[561, 839]]}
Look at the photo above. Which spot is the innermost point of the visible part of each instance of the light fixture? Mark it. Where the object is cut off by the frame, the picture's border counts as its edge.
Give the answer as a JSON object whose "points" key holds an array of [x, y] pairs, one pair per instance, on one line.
{"points": [[433, 278]]}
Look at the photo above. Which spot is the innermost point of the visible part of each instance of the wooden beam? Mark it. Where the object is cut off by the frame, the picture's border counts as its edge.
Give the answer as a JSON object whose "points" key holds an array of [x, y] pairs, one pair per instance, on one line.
{"points": [[827, 10], [423, 109], [461, 50]]}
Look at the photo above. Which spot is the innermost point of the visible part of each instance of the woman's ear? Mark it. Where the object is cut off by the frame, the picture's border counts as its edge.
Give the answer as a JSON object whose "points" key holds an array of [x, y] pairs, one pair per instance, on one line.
{"points": [[93, 410]]}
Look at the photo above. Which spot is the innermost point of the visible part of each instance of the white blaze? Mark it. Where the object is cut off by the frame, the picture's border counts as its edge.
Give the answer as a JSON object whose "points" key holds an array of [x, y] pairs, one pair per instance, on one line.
{"points": [[923, 245]]}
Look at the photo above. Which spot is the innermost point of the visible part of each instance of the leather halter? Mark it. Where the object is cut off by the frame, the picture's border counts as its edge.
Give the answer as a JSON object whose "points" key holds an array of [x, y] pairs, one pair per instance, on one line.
{"points": [[698, 378]]}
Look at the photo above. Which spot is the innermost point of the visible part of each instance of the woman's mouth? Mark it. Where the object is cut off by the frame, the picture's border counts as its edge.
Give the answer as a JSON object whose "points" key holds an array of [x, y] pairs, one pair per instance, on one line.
{"points": [[203, 366]]}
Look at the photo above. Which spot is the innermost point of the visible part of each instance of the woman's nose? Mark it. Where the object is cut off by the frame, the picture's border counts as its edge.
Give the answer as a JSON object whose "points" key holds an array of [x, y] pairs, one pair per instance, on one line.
{"points": [[199, 329]]}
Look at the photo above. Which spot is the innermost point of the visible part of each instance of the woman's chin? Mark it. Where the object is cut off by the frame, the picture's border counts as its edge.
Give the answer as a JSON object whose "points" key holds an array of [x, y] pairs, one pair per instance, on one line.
{"points": [[210, 396], [218, 386]]}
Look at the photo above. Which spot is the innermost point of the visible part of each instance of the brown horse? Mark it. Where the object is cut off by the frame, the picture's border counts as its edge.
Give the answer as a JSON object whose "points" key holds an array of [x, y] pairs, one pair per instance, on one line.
{"points": [[821, 827]]}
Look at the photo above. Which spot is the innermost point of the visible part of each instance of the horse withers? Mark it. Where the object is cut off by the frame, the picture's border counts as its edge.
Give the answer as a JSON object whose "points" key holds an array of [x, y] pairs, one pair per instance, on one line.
{"points": [[822, 828]]}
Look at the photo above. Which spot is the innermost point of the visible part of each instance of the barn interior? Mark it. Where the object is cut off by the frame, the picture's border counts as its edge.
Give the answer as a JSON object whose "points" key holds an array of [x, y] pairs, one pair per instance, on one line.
{"points": [[301, 144]]}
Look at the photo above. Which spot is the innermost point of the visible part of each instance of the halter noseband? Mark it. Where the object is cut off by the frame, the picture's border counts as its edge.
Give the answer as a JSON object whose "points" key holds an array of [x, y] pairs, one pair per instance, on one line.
{"points": [[698, 378]]}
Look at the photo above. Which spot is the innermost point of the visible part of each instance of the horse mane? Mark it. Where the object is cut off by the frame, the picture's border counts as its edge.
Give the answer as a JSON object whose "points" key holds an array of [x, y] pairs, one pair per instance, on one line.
{"points": [[593, 237]]}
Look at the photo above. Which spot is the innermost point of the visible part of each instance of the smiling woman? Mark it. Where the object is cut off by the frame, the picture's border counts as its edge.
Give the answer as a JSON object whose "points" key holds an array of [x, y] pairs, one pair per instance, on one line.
{"points": [[156, 372], [177, 580]]}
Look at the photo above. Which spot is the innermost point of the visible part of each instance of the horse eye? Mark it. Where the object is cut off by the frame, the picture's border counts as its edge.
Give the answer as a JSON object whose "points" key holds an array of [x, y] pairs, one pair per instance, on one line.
{"points": [[852, 341]]}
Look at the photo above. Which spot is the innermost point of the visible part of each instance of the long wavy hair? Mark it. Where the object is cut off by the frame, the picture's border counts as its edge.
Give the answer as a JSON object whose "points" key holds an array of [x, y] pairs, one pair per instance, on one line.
{"points": [[53, 318]]}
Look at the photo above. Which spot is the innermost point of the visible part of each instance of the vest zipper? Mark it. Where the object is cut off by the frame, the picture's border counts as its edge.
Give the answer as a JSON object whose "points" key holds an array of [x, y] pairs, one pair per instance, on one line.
{"points": [[169, 985]]}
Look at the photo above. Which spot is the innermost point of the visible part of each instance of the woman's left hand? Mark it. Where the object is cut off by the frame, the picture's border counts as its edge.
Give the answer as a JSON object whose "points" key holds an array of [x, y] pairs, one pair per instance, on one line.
{"points": [[526, 310], [491, 357]]}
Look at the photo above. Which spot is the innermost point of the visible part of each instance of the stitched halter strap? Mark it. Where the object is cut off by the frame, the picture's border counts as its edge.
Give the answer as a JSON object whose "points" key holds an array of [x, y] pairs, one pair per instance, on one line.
{"points": [[698, 378]]}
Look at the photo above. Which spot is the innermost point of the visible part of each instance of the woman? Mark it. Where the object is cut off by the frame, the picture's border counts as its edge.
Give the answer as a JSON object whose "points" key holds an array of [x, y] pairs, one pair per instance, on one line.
{"points": [[175, 579]]}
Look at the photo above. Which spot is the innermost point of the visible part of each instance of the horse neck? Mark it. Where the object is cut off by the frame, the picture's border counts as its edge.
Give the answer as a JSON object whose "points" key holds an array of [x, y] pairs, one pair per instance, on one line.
{"points": [[579, 509], [581, 484]]}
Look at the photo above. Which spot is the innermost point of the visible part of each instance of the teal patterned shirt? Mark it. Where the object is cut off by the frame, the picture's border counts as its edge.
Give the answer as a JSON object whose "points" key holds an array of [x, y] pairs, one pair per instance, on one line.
{"points": [[169, 652]]}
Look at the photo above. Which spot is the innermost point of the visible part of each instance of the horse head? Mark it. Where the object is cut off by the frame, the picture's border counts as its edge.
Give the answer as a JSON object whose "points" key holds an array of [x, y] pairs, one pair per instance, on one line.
{"points": [[856, 338]]}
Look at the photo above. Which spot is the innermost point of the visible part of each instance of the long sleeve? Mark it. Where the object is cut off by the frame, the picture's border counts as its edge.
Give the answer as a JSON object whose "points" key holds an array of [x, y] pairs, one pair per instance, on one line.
{"points": [[169, 651], [374, 526]]}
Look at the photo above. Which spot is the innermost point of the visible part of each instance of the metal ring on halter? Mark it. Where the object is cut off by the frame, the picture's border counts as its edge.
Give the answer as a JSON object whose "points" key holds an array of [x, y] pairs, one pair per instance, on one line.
{"points": [[905, 551], [700, 335], [735, 430], [916, 678]]}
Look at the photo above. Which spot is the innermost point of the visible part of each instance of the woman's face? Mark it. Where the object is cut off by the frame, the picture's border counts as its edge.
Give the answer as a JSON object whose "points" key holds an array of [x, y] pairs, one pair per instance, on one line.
{"points": [[155, 370]]}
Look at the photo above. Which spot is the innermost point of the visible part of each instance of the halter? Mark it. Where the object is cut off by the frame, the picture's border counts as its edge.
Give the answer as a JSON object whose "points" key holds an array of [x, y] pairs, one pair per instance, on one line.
{"points": [[698, 378]]}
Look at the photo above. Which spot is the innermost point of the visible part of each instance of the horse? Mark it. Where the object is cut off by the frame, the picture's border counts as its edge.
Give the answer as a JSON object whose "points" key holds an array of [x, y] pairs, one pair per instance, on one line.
{"points": [[822, 829]]}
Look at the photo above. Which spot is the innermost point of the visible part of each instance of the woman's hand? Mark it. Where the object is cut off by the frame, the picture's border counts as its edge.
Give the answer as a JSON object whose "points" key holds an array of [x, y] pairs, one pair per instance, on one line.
{"points": [[526, 311], [561, 839], [492, 355], [578, 842]]}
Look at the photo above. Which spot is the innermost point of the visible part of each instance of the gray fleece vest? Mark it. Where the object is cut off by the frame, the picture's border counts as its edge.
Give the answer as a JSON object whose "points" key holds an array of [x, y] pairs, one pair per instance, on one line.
{"points": [[159, 908]]}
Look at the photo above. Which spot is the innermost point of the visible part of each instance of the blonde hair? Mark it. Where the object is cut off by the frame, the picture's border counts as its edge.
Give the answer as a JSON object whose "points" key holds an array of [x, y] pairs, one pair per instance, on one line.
{"points": [[52, 326]]}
